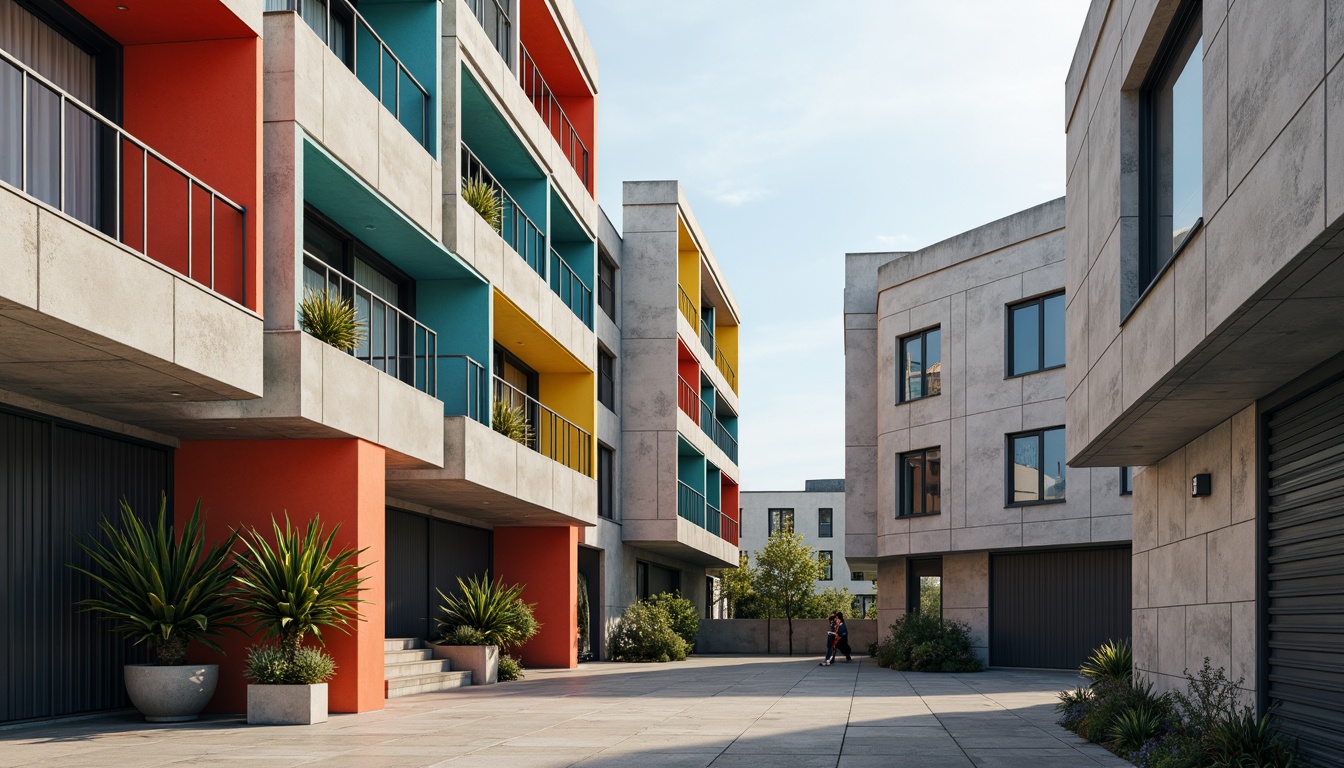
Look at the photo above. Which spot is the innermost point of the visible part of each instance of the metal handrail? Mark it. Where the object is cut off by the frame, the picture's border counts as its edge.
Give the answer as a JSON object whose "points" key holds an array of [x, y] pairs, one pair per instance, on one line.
{"points": [[690, 504], [571, 288], [122, 182], [557, 122], [712, 518], [687, 307], [707, 336], [725, 367], [394, 342], [722, 438], [519, 231], [687, 398], [728, 529], [384, 52], [473, 397], [553, 436], [502, 35]]}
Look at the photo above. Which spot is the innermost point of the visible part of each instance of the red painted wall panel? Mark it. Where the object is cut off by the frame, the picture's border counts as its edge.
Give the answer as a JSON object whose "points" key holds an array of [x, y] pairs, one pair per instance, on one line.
{"points": [[546, 560]]}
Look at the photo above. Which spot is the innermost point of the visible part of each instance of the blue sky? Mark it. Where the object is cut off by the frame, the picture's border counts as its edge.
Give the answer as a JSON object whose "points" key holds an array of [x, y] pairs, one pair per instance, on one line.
{"points": [[802, 131]]}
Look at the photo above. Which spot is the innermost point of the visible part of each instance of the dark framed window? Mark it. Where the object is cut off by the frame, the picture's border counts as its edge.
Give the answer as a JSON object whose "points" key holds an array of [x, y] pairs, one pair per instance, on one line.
{"points": [[653, 579], [606, 285], [329, 243], [856, 575], [1036, 469], [918, 490], [781, 520], [606, 379], [1171, 146], [921, 365], [1036, 335], [1126, 481], [924, 586], [825, 522], [827, 559], [606, 482]]}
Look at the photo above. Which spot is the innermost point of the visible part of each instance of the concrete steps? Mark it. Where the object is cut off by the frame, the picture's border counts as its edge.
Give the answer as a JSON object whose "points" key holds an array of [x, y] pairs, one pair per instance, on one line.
{"points": [[410, 668]]}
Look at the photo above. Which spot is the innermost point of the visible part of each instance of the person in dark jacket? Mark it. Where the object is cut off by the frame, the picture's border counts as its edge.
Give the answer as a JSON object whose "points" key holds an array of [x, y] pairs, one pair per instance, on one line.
{"points": [[842, 637]]}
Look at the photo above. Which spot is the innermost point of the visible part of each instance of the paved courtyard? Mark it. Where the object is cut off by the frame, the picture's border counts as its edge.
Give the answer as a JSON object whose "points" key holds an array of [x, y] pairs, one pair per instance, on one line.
{"points": [[721, 711]]}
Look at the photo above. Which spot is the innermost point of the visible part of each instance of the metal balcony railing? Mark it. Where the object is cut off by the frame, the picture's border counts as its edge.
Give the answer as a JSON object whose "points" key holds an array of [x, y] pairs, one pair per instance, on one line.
{"points": [[721, 437], [690, 504], [394, 342], [522, 235], [725, 367], [687, 306], [463, 389], [728, 529], [562, 130], [687, 397], [348, 35], [713, 524], [707, 336], [571, 288], [60, 151], [494, 18], [553, 436]]}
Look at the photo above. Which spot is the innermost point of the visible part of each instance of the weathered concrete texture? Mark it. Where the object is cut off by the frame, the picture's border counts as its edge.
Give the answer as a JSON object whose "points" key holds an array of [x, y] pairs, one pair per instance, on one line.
{"points": [[771, 636], [721, 711]]}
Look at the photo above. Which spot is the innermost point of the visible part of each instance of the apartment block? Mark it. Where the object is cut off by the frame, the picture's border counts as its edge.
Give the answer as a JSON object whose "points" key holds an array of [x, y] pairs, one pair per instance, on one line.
{"points": [[1205, 287], [817, 513], [956, 489]]}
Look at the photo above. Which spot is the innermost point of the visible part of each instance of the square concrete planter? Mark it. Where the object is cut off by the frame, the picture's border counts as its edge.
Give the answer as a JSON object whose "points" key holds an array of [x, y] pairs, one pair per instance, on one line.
{"points": [[286, 704], [482, 661]]}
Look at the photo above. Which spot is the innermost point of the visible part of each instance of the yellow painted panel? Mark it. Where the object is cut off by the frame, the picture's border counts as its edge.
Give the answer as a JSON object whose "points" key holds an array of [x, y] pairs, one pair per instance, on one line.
{"points": [[725, 337], [688, 266], [574, 397], [517, 332]]}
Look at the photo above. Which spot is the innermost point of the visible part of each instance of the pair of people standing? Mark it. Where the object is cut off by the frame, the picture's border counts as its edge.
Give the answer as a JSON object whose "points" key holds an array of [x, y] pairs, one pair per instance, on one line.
{"points": [[837, 639]]}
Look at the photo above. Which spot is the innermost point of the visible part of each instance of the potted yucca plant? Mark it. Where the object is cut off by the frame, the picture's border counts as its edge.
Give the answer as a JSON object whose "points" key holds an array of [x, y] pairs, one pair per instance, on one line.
{"points": [[511, 422], [480, 619], [164, 588], [485, 200], [295, 584], [329, 318]]}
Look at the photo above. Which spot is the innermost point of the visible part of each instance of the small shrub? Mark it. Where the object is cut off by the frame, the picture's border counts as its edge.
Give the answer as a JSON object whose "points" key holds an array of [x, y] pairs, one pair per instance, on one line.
{"points": [[1135, 727], [485, 200], [1242, 740], [1177, 750], [268, 665], [1112, 700], [923, 643], [511, 422], [1073, 707], [331, 319], [510, 669], [1210, 697], [464, 635], [645, 633], [681, 612], [1113, 662]]}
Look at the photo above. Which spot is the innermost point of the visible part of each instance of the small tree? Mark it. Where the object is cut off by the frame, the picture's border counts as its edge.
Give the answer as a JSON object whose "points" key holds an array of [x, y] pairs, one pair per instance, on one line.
{"points": [[786, 572], [735, 584]]}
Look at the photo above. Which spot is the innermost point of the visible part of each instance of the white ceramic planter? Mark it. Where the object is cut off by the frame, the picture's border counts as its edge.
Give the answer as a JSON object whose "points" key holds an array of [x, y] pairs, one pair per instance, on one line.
{"points": [[171, 694], [286, 704], [482, 661]]}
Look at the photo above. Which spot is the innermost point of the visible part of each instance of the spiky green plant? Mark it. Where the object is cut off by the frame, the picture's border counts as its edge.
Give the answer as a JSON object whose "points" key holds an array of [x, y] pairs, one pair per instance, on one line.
{"points": [[1133, 727], [331, 319], [494, 609], [1242, 740], [160, 588], [511, 422], [297, 585], [485, 200], [1113, 662]]}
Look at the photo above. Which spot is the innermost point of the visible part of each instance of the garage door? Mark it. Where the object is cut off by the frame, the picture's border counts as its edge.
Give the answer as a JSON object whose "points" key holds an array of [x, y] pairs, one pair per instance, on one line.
{"points": [[56, 482], [1051, 609], [1306, 570], [425, 555]]}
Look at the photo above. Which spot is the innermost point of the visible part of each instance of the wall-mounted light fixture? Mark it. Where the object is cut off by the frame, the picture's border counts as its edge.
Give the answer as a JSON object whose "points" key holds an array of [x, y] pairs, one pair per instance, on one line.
{"points": [[1201, 484]]}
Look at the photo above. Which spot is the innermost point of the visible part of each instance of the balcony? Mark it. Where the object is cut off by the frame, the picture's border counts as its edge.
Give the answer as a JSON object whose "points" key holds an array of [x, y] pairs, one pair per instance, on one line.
{"points": [[518, 230], [687, 307], [721, 361], [494, 17], [706, 335], [687, 397], [728, 529], [355, 42], [571, 289], [552, 435], [463, 389], [690, 504], [717, 432], [559, 125]]}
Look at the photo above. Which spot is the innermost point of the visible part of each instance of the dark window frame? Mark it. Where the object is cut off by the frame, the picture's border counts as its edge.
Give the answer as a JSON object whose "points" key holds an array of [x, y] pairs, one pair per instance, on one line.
{"points": [[352, 248], [1009, 345], [828, 530], [1008, 485], [105, 50], [923, 453], [827, 559], [917, 568], [1126, 481], [856, 576], [606, 288], [902, 389], [606, 379], [770, 520], [606, 483]]}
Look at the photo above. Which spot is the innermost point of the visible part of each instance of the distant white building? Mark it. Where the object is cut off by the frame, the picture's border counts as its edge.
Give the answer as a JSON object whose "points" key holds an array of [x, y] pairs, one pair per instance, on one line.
{"points": [[818, 513]]}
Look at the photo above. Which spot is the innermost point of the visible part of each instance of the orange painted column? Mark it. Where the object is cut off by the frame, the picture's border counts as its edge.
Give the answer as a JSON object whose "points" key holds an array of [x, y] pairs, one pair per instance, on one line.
{"points": [[246, 483], [546, 561]]}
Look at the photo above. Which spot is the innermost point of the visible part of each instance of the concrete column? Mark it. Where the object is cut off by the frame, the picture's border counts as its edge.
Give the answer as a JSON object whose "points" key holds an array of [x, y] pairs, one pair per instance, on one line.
{"points": [[546, 562]]}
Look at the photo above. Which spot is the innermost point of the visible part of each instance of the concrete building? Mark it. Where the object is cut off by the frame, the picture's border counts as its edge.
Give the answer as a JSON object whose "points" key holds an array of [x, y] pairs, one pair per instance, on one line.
{"points": [[1205, 289], [817, 513], [956, 489]]}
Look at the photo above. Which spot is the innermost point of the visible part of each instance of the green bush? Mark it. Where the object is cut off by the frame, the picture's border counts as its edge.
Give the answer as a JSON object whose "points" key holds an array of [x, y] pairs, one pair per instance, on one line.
{"points": [[923, 643], [1073, 707], [510, 669], [1245, 741], [464, 635], [1209, 698], [826, 602], [645, 633], [1114, 699], [1135, 727], [681, 612], [1113, 662], [269, 665]]}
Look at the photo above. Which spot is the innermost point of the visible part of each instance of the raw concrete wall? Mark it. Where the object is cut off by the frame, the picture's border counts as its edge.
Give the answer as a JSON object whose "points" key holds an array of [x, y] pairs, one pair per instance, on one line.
{"points": [[771, 636]]}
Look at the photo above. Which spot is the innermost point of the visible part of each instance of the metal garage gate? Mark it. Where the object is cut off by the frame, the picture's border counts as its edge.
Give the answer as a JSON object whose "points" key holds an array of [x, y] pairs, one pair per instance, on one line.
{"points": [[425, 555], [56, 482], [1305, 648], [1051, 609]]}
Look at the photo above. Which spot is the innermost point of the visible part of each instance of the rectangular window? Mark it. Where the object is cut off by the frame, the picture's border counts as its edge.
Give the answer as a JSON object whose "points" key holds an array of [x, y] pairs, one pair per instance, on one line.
{"points": [[781, 521], [1036, 467], [606, 286], [606, 379], [1171, 151], [606, 482], [825, 522], [921, 365], [1126, 481], [827, 559], [924, 587], [856, 576], [1036, 335], [917, 483]]}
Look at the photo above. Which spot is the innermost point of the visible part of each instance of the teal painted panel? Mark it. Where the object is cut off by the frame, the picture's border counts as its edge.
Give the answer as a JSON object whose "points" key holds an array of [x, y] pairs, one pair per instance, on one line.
{"points": [[691, 471], [713, 486], [412, 31], [459, 311], [491, 138]]}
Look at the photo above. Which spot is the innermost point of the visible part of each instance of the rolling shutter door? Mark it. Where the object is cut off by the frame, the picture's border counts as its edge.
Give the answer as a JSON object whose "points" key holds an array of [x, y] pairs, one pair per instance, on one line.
{"points": [[1305, 570]]}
